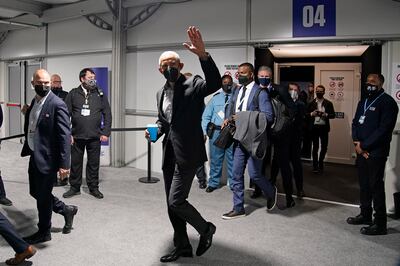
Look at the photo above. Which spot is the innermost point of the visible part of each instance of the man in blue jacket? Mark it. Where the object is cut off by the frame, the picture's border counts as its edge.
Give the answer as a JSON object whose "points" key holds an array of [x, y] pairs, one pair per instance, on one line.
{"points": [[213, 117], [243, 100], [372, 129]]}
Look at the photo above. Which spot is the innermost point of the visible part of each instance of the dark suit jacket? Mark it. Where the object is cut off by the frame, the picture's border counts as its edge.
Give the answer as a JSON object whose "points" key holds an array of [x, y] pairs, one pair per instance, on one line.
{"points": [[312, 106], [282, 93], [184, 132], [52, 136]]}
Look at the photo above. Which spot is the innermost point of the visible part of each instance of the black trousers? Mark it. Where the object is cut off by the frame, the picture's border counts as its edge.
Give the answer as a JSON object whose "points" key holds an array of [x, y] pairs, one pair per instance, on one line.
{"points": [[11, 236], [319, 133], [307, 144], [201, 174], [178, 182], [40, 188], [2, 189], [281, 161], [372, 188], [92, 147], [295, 160]]}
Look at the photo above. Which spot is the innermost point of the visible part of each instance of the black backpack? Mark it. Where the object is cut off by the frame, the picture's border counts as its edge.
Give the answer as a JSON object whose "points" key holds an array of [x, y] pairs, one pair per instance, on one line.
{"points": [[283, 119]]}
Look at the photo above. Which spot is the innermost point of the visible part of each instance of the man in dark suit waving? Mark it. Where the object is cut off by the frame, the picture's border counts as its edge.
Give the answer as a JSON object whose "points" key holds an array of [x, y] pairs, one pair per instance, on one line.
{"points": [[180, 105], [48, 142]]}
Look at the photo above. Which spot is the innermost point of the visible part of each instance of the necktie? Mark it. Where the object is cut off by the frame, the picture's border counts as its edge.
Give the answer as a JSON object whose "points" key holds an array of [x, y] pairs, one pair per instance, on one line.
{"points": [[226, 97], [242, 98]]}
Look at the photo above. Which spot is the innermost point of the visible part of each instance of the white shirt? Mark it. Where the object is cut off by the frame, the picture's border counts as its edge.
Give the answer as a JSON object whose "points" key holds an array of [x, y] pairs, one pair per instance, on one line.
{"points": [[246, 97], [320, 120], [33, 119], [84, 90]]}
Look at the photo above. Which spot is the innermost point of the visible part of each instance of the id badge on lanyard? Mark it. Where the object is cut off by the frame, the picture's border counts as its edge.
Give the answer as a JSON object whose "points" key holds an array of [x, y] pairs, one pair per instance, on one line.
{"points": [[85, 108]]}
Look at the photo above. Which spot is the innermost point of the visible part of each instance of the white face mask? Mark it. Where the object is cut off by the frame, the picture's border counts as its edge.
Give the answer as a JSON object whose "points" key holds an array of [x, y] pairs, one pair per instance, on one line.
{"points": [[294, 95]]}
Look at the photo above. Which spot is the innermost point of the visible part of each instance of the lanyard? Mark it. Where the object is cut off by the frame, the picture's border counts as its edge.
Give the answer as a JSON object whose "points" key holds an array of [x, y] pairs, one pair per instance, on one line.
{"points": [[367, 107]]}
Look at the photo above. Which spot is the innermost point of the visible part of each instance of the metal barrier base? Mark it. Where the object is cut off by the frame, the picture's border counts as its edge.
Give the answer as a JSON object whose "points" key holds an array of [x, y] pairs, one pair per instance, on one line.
{"points": [[149, 180]]}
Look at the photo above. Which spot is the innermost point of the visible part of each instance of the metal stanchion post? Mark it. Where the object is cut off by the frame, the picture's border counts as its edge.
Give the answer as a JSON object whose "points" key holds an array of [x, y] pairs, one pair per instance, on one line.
{"points": [[149, 178]]}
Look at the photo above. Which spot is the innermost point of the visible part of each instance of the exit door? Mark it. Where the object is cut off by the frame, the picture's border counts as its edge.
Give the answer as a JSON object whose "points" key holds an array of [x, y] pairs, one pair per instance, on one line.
{"points": [[342, 87], [20, 92]]}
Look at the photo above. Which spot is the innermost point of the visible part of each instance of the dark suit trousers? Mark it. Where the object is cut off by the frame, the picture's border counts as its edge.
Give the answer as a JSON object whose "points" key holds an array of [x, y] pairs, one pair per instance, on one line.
{"points": [[295, 159], [92, 147], [11, 236], [319, 132], [40, 188], [372, 188], [282, 161], [178, 182], [2, 189]]}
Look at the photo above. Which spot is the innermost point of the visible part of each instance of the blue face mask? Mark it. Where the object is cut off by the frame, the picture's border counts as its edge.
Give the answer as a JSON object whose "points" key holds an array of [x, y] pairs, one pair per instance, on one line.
{"points": [[264, 81]]}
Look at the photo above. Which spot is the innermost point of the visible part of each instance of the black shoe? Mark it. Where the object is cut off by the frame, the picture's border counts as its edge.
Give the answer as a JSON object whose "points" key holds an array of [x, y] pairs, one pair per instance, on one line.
{"points": [[176, 253], [210, 189], [61, 183], [206, 240], [271, 202], [359, 219], [69, 213], [96, 193], [300, 194], [6, 202], [38, 237], [202, 185], [374, 230], [290, 203], [71, 192], [233, 215], [315, 170], [256, 193]]}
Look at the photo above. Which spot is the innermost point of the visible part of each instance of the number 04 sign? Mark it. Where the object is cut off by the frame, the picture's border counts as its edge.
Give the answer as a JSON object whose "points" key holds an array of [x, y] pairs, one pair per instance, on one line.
{"points": [[312, 18]]}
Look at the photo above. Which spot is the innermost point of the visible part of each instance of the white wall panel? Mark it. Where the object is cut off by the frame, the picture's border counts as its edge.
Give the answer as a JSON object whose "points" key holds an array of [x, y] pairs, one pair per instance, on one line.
{"points": [[26, 42], [218, 20], [77, 35], [68, 67]]}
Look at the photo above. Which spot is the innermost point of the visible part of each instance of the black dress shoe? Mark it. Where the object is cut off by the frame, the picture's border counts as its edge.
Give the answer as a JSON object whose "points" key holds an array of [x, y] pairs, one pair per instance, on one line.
{"points": [[256, 193], [38, 237], [71, 192], [69, 213], [96, 193], [300, 194], [61, 183], [290, 203], [374, 230], [271, 201], [359, 219], [6, 202], [206, 240], [202, 185], [210, 189], [176, 253]]}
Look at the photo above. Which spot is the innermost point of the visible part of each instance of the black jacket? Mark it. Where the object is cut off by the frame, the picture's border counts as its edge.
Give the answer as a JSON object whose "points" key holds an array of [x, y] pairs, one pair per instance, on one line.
{"points": [[375, 133], [60, 93], [328, 105], [89, 127], [184, 132]]}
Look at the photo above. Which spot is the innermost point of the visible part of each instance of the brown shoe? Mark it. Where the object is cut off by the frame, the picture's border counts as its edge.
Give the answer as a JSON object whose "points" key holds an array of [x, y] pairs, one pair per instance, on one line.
{"points": [[21, 257]]}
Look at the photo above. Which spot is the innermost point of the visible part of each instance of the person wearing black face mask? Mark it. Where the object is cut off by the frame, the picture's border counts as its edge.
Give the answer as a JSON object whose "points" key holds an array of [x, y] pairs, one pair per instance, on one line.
{"points": [[180, 105], [56, 86], [87, 105], [47, 142], [249, 97], [372, 129], [212, 119], [319, 112], [281, 156]]}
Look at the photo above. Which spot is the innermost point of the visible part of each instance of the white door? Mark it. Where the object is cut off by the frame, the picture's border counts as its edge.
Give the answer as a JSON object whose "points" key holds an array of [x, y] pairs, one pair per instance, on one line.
{"points": [[342, 87]]}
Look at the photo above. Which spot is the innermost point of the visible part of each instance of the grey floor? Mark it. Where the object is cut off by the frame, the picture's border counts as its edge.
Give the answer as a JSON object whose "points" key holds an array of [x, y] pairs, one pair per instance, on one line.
{"points": [[130, 227]]}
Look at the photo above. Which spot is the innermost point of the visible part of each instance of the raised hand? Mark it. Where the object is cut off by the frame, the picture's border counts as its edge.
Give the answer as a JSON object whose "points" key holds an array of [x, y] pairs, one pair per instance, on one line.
{"points": [[196, 44]]}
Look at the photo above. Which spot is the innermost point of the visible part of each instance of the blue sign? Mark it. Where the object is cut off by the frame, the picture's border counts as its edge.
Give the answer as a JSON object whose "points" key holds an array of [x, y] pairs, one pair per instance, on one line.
{"points": [[313, 18], [102, 81]]}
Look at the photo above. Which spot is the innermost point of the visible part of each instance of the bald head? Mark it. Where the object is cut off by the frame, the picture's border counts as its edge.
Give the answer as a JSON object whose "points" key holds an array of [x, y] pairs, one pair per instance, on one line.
{"points": [[41, 82]]}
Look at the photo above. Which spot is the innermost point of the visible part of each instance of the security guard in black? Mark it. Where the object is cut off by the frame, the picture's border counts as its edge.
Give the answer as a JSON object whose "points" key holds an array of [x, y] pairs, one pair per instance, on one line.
{"points": [[87, 105]]}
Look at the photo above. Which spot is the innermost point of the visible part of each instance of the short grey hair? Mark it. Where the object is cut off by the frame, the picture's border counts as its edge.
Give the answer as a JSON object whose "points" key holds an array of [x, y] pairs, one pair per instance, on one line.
{"points": [[167, 54], [265, 68]]}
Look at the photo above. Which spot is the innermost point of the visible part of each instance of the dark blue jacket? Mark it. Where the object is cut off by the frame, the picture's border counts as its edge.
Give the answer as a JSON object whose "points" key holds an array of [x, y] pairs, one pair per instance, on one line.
{"points": [[375, 133], [52, 136]]}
